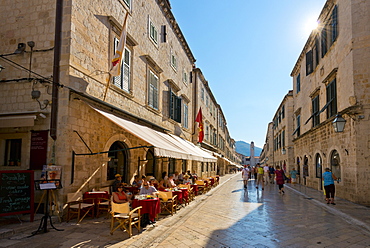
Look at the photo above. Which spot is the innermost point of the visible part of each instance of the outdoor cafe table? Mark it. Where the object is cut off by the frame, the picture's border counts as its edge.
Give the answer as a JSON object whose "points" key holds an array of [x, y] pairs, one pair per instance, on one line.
{"points": [[179, 194], [195, 188], [149, 206], [88, 197], [185, 194], [212, 180]]}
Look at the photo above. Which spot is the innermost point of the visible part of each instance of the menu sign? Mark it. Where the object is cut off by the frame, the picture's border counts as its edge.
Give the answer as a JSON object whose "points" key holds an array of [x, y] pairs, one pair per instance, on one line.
{"points": [[38, 151], [16, 192]]}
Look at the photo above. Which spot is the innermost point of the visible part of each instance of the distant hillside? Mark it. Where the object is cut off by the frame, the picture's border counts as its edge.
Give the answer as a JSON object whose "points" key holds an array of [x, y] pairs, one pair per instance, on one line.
{"points": [[245, 149]]}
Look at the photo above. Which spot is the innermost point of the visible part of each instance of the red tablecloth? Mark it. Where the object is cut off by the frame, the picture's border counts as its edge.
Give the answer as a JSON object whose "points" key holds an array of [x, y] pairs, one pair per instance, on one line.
{"points": [[150, 206], [195, 188], [179, 195], [212, 180], [95, 195], [185, 194]]}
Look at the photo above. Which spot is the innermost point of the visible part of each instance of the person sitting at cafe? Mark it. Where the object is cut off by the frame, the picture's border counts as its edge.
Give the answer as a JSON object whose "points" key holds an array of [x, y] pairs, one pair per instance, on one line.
{"points": [[189, 174], [171, 182], [120, 196], [181, 177], [137, 182], [162, 185], [187, 180], [153, 182], [116, 182], [147, 189]]}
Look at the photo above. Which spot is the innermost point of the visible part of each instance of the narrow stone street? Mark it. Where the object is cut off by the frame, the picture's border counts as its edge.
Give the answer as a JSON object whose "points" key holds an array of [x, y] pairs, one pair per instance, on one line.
{"points": [[227, 216]]}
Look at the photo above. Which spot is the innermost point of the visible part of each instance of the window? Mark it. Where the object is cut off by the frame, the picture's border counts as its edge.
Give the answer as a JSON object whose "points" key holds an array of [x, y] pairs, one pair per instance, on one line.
{"points": [[298, 83], [298, 129], [153, 90], [207, 132], [309, 63], [315, 111], [207, 103], [202, 94], [185, 77], [186, 116], [331, 98], [329, 32], [283, 111], [123, 81], [174, 61], [283, 138], [175, 107], [153, 33], [13, 151], [128, 3]]}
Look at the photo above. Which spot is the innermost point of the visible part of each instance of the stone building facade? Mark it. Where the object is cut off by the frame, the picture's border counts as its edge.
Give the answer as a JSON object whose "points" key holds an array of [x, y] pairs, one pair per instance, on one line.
{"points": [[141, 122], [330, 82]]}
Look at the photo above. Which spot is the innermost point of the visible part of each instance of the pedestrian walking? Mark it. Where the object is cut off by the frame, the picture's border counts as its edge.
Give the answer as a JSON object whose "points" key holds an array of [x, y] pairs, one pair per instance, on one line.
{"points": [[266, 174], [272, 174], [245, 175], [280, 178], [260, 173], [255, 172], [328, 177]]}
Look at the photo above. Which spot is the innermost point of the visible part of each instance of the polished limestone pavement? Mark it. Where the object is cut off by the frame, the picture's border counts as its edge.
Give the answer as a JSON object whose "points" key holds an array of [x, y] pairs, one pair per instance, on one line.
{"points": [[226, 216]]}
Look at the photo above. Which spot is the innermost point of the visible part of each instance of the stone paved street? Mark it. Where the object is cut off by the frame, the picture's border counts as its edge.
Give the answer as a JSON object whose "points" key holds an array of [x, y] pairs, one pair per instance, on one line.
{"points": [[227, 216]]}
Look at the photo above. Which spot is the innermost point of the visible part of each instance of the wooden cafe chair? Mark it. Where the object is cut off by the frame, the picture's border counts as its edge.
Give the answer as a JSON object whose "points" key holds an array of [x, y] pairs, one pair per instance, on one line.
{"points": [[168, 202], [201, 186], [125, 218], [76, 206]]}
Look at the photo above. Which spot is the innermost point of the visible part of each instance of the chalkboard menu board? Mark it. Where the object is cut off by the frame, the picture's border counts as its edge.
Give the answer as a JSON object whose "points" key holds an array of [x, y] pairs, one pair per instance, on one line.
{"points": [[16, 192]]}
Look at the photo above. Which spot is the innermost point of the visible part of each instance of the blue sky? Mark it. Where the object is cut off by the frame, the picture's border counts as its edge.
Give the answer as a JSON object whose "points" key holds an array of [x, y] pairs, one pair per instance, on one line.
{"points": [[246, 50]]}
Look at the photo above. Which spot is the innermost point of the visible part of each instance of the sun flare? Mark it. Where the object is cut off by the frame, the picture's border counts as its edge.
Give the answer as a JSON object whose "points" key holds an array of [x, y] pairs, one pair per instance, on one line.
{"points": [[310, 25]]}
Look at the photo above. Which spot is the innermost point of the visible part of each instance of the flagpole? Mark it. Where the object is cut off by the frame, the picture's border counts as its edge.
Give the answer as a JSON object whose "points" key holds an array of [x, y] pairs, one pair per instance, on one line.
{"points": [[107, 87]]}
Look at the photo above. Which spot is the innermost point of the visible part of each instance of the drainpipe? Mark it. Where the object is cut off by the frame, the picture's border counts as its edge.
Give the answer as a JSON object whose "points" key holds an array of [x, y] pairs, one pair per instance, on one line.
{"points": [[56, 69]]}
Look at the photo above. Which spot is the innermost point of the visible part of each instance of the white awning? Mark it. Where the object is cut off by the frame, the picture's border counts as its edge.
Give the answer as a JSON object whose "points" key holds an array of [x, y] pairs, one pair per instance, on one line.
{"points": [[164, 145]]}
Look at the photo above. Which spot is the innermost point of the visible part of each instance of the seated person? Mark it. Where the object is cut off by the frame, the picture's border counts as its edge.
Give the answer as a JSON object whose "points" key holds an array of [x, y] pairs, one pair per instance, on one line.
{"points": [[137, 181], [147, 189], [153, 182], [120, 196], [187, 180], [181, 177], [116, 182], [171, 181], [162, 185]]}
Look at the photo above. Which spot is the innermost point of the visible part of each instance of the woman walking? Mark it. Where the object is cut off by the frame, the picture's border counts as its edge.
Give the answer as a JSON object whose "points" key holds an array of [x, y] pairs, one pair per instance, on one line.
{"points": [[328, 177], [279, 178]]}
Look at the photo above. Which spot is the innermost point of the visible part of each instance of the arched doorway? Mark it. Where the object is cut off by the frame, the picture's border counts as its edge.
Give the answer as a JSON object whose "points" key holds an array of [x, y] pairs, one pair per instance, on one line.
{"points": [[335, 164], [305, 169], [318, 163], [299, 170], [118, 161]]}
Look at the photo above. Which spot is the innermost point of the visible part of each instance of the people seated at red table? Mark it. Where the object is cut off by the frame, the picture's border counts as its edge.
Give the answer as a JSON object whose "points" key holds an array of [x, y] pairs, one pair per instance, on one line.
{"points": [[164, 175], [181, 177], [162, 185], [171, 181], [116, 182], [147, 189], [176, 177], [153, 182], [187, 180], [137, 181], [120, 196]]}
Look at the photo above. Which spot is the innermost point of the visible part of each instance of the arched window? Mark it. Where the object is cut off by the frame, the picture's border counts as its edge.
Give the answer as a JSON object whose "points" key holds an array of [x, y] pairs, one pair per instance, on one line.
{"points": [[298, 166], [335, 164], [118, 161], [305, 167], [318, 163]]}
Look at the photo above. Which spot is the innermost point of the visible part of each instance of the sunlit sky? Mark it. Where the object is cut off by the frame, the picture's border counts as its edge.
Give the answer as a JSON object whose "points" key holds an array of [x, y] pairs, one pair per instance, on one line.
{"points": [[246, 50]]}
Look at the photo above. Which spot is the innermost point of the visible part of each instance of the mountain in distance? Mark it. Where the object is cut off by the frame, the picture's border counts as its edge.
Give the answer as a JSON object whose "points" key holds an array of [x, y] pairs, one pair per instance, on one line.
{"points": [[245, 149]]}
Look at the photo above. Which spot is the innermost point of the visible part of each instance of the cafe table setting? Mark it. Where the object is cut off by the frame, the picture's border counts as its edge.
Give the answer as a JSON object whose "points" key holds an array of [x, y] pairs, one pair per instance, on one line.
{"points": [[150, 205]]}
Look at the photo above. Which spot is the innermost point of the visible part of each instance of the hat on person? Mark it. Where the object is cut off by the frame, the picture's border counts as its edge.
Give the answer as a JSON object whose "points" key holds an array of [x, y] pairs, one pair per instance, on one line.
{"points": [[186, 176], [118, 175]]}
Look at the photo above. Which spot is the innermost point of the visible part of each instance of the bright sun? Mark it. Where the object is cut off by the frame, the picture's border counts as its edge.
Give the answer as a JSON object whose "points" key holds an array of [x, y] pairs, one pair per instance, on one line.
{"points": [[310, 25]]}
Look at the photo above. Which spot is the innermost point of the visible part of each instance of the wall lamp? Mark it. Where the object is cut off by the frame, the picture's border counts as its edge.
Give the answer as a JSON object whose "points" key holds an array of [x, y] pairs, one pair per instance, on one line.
{"points": [[339, 123], [283, 151], [20, 49], [1, 68]]}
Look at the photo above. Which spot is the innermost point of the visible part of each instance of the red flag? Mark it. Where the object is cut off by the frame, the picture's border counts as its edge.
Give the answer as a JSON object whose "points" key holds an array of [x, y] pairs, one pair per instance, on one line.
{"points": [[199, 119]]}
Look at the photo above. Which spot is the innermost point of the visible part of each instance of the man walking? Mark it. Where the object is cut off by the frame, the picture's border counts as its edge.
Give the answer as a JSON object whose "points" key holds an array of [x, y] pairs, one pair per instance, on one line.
{"points": [[266, 174], [245, 175], [259, 176]]}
